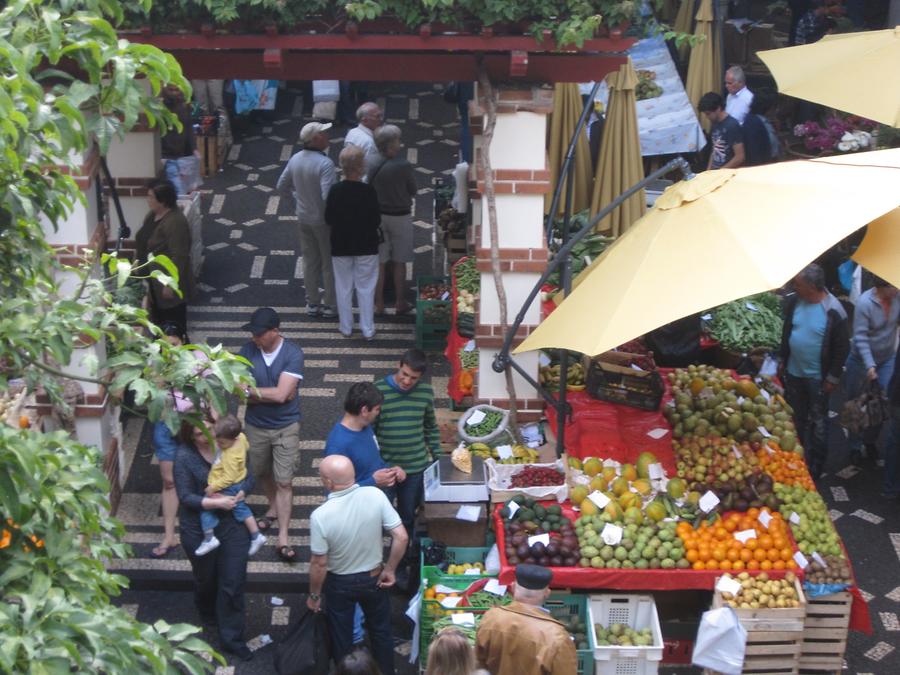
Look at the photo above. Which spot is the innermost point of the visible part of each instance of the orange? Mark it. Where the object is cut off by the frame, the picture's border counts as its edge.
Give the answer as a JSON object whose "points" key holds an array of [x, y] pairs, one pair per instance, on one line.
{"points": [[718, 554], [746, 555], [712, 565], [759, 554], [752, 565], [691, 555], [765, 541], [791, 564], [733, 555], [725, 565], [752, 544], [765, 565], [778, 565], [699, 565], [786, 553], [753, 512], [731, 524], [737, 565]]}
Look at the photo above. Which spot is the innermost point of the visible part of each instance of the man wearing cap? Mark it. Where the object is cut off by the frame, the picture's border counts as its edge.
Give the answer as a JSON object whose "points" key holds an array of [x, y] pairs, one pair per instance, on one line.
{"points": [[309, 175], [272, 421], [522, 638]]}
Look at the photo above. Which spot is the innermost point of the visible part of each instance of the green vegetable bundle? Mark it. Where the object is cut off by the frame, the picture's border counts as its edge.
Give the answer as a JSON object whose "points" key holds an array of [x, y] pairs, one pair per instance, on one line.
{"points": [[468, 278], [468, 360], [468, 631], [491, 421], [748, 323], [486, 599]]}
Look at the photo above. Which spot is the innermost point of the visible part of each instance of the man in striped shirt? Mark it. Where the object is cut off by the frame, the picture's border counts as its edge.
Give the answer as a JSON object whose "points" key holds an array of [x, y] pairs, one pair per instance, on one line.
{"points": [[407, 432]]}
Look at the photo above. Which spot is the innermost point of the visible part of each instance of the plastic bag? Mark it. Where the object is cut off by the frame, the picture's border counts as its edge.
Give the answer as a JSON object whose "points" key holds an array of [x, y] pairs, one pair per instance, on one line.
{"points": [[189, 172], [492, 561], [721, 642], [820, 590], [306, 648], [326, 90], [461, 425]]}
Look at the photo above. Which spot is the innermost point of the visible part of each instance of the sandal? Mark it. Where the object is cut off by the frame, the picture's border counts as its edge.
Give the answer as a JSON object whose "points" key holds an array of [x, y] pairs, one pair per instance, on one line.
{"points": [[266, 522], [287, 554], [160, 551]]}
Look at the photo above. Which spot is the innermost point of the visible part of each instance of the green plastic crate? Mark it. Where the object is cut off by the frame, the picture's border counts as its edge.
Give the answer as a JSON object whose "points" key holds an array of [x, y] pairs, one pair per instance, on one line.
{"points": [[433, 313], [562, 606], [431, 338], [454, 555]]}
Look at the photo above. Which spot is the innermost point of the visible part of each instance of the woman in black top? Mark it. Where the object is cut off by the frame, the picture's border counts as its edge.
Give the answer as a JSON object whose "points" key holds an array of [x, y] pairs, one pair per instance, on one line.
{"points": [[175, 144], [220, 575], [352, 214]]}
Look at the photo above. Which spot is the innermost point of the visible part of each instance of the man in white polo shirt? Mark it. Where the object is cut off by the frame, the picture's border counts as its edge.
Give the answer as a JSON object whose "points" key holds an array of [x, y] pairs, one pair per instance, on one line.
{"points": [[737, 104], [346, 546]]}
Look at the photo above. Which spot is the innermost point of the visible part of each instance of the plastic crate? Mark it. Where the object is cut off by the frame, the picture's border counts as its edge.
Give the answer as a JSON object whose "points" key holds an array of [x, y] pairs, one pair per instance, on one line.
{"points": [[626, 386], [431, 338], [564, 606], [453, 555], [637, 612]]}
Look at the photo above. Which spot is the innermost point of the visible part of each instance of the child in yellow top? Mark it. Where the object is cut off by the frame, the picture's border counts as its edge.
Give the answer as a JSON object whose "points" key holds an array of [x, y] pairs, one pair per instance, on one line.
{"points": [[226, 477]]}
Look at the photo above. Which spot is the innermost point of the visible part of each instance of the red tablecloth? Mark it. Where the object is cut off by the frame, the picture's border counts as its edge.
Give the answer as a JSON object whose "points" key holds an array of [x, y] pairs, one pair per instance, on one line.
{"points": [[455, 342]]}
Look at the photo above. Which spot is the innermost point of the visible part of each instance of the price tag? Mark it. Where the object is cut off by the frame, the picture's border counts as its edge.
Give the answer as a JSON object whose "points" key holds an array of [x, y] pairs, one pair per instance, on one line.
{"points": [[445, 295], [765, 518], [539, 539], [729, 585], [469, 513], [737, 453], [611, 534], [706, 317], [740, 399], [763, 431], [470, 346], [587, 261], [513, 507], [801, 560], [656, 471], [477, 417], [445, 589], [766, 395], [495, 587], [709, 501], [472, 572], [751, 307], [794, 518], [600, 499], [451, 602], [464, 619], [745, 535], [657, 433], [706, 392], [504, 451], [543, 359], [819, 559], [635, 366]]}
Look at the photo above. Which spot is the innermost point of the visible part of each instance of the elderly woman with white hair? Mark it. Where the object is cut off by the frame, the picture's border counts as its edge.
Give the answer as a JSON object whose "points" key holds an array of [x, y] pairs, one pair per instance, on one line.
{"points": [[394, 180], [352, 215]]}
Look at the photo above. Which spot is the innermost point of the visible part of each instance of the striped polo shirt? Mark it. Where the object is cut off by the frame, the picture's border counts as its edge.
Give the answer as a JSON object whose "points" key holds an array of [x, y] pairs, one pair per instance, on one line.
{"points": [[406, 428]]}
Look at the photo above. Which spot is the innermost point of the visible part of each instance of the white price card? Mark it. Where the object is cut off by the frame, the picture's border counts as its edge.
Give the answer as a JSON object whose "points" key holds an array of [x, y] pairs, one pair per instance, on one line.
{"points": [[737, 453], [766, 395], [801, 560], [600, 499], [276, 601], [728, 585], [709, 501], [765, 518], [706, 317], [464, 619], [470, 346], [819, 559], [440, 588], [539, 539], [450, 603], [495, 587], [794, 518], [740, 400], [656, 471], [635, 366], [745, 535], [611, 534], [469, 513], [445, 295], [751, 307], [513, 507], [477, 417], [504, 451], [472, 571], [657, 433], [543, 359], [763, 431]]}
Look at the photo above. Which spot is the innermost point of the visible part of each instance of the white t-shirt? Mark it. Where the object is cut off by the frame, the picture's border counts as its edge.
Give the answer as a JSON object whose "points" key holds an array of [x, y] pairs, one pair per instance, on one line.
{"points": [[362, 137], [269, 358], [738, 105]]}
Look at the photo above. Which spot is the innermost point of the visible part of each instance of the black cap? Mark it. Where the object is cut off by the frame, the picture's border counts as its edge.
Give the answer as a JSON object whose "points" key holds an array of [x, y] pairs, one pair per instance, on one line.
{"points": [[263, 319], [533, 577]]}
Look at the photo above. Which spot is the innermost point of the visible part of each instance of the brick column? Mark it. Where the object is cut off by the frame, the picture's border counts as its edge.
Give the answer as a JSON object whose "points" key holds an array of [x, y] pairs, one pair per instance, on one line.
{"points": [[521, 179], [133, 162]]}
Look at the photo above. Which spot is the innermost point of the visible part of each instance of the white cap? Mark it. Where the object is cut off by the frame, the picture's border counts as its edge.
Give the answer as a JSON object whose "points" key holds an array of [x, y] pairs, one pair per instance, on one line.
{"points": [[308, 132]]}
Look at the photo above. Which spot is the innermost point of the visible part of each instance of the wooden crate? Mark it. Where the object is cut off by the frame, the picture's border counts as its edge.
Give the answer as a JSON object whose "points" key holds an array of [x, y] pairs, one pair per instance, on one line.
{"points": [[825, 633], [774, 637]]}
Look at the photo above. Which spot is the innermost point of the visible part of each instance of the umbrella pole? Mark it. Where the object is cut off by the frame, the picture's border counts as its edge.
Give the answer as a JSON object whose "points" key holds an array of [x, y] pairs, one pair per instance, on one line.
{"points": [[562, 407]]}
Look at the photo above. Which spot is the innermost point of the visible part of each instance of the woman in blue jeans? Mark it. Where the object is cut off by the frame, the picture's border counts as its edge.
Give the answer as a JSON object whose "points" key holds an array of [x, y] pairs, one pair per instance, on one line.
{"points": [[872, 353]]}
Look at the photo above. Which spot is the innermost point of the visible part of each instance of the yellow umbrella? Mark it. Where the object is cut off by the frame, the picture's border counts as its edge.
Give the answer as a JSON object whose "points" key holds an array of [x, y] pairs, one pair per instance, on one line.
{"points": [[855, 72], [619, 165], [684, 24], [702, 75], [567, 107], [722, 235], [879, 251]]}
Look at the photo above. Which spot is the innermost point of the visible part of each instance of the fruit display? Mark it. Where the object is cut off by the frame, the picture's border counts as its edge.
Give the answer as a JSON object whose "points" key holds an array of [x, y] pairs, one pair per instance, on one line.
{"points": [[452, 221], [748, 323], [434, 291], [835, 571], [465, 302], [647, 86], [468, 359], [437, 314], [577, 629], [644, 74], [534, 476], [488, 424], [11, 409], [462, 568], [532, 518], [787, 468], [521, 454], [622, 635], [815, 531], [549, 377], [643, 545], [738, 541], [467, 276], [760, 592]]}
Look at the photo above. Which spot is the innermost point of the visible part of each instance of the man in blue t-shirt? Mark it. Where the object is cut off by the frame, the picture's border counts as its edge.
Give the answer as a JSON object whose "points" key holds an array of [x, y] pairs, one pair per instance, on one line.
{"points": [[272, 421], [727, 147]]}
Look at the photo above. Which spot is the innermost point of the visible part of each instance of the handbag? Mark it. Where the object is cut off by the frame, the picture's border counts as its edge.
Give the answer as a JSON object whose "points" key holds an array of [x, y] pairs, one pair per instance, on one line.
{"points": [[306, 648], [868, 411]]}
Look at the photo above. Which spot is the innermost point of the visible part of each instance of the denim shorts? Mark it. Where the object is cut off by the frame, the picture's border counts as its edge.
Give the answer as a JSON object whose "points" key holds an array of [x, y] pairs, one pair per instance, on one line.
{"points": [[164, 444]]}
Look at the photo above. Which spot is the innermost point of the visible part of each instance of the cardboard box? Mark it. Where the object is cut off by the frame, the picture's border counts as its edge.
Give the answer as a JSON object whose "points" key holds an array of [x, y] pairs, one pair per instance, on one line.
{"points": [[444, 526]]}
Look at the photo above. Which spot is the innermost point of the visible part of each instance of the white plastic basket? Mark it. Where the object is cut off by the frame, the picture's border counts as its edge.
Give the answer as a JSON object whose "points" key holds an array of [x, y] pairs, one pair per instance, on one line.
{"points": [[500, 475], [484, 407], [637, 612]]}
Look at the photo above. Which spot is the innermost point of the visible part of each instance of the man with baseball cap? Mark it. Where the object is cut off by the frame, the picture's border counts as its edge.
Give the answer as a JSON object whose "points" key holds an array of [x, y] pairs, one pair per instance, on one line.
{"points": [[522, 638], [309, 175], [272, 421]]}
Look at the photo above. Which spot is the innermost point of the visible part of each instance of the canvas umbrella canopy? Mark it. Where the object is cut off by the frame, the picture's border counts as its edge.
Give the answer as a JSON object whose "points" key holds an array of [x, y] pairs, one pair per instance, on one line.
{"points": [[567, 107], [722, 235], [704, 69], [858, 73], [879, 251], [619, 165]]}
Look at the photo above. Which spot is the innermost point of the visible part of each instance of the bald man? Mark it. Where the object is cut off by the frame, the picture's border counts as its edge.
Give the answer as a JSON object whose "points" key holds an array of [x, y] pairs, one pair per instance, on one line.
{"points": [[347, 552], [370, 117]]}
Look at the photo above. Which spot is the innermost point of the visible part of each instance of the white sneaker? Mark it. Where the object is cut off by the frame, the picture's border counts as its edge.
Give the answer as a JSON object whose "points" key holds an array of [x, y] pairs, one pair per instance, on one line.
{"points": [[257, 543], [328, 312], [208, 545], [314, 310]]}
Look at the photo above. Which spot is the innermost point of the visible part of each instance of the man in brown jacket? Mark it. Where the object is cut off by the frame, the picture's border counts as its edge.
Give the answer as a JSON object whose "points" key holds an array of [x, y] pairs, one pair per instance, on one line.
{"points": [[522, 638]]}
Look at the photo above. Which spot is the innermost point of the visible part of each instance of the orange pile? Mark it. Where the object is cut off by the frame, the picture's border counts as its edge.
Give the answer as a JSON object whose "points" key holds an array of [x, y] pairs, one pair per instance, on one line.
{"points": [[714, 547], [785, 467]]}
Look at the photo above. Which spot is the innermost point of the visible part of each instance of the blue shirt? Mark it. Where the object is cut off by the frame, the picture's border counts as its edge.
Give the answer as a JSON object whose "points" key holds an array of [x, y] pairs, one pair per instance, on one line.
{"points": [[806, 338], [288, 360], [362, 449]]}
